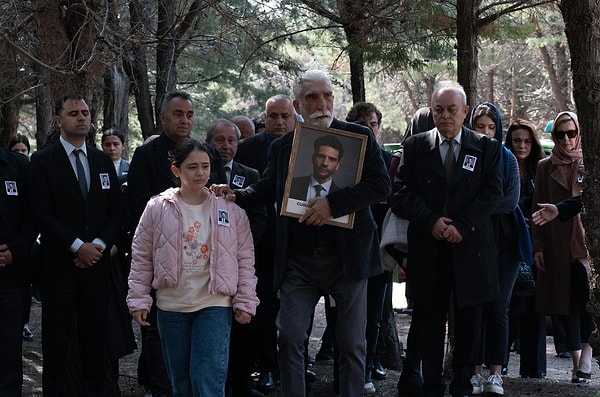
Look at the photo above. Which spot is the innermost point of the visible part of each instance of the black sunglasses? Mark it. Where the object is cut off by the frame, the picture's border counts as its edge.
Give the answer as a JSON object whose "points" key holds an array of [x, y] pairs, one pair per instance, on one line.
{"points": [[561, 134]]}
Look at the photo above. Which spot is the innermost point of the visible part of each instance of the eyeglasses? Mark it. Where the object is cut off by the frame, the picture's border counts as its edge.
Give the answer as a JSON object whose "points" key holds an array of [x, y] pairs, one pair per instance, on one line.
{"points": [[561, 134]]}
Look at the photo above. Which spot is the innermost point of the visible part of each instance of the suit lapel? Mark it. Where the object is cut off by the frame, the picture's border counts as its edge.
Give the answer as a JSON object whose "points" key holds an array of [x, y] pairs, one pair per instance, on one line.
{"points": [[431, 149], [64, 162]]}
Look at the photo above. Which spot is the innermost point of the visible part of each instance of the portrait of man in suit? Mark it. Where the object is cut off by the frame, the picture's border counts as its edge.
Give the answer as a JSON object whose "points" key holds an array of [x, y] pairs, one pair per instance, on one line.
{"points": [[326, 157]]}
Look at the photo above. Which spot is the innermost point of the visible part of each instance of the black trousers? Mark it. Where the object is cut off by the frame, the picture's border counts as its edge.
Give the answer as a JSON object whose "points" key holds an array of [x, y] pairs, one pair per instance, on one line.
{"points": [[11, 341], [77, 298], [430, 313]]}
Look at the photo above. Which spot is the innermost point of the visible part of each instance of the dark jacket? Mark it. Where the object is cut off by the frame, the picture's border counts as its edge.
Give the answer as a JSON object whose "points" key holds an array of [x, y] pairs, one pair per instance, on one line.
{"points": [[62, 212], [16, 230], [471, 198], [358, 247], [241, 177], [252, 152]]}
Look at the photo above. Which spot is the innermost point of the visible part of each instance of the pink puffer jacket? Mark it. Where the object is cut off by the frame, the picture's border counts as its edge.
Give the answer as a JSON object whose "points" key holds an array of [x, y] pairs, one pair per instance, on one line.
{"points": [[156, 252]]}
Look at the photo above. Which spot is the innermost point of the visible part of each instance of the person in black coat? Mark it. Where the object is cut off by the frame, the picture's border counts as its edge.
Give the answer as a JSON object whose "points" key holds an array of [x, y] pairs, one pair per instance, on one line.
{"points": [[80, 211], [447, 185], [280, 118], [313, 259], [16, 242]]}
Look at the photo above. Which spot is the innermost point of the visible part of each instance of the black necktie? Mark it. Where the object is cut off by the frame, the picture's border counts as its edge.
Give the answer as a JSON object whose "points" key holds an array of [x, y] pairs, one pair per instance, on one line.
{"points": [[228, 174], [450, 160], [80, 173], [318, 190]]}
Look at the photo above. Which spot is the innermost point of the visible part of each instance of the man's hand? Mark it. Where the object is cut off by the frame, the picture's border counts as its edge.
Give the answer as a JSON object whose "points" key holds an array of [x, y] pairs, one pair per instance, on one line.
{"points": [[5, 255], [546, 213], [452, 235], [241, 316], [440, 227], [538, 260], [140, 317], [318, 212], [87, 255], [223, 190], [444, 230]]}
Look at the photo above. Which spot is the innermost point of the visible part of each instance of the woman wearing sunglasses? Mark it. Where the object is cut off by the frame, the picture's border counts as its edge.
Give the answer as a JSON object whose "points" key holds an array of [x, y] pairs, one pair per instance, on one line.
{"points": [[560, 254]]}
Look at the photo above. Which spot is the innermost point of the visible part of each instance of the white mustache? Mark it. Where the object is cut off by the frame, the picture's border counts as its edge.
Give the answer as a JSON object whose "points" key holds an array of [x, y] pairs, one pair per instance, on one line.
{"points": [[320, 113]]}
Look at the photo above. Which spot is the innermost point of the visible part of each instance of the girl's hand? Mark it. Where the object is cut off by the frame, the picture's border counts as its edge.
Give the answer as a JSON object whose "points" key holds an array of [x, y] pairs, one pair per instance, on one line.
{"points": [[241, 316], [140, 317]]}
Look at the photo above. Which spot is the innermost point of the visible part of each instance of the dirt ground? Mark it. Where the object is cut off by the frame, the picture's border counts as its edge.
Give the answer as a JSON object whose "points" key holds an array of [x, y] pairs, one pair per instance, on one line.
{"points": [[556, 384]]}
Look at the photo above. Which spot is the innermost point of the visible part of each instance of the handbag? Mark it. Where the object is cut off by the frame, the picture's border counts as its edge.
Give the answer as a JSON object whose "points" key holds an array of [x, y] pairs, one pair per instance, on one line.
{"points": [[394, 243], [525, 282]]}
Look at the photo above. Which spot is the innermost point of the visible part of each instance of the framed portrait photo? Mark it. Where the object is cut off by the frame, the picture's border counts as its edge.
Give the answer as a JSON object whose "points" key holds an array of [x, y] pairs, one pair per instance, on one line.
{"points": [[323, 160]]}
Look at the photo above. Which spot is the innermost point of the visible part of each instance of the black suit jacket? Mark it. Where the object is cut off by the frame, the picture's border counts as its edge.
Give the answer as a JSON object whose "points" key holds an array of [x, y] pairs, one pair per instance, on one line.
{"points": [[64, 215], [241, 177], [358, 247], [300, 184], [15, 227], [471, 196], [252, 152]]}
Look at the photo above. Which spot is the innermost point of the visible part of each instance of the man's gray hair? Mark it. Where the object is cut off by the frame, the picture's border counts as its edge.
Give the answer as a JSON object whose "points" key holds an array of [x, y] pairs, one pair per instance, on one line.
{"points": [[210, 132], [169, 96], [450, 84], [309, 75], [279, 97]]}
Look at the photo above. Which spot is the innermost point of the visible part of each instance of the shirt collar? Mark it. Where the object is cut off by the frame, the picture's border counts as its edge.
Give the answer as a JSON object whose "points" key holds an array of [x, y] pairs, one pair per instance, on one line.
{"points": [[457, 138], [69, 148], [326, 185]]}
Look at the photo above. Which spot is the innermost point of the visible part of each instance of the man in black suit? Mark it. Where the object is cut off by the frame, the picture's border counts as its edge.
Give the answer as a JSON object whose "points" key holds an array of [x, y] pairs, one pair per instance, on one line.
{"points": [[280, 118], [313, 259], [447, 185], [15, 250], [80, 213], [224, 136], [327, 154]]}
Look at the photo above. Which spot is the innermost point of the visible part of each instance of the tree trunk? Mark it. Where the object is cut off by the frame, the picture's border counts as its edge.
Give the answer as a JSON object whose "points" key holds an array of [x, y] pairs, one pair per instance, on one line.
{"points": [[489, 95], [116, 102], [136, 67], [557, 94], [166, 52], [466, 42], [357, 74], [9, 120], [583, 35]]}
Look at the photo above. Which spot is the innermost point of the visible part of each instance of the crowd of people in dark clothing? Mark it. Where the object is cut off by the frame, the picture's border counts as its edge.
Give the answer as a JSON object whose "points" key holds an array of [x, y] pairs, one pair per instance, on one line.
{"points": [[198, 243]]}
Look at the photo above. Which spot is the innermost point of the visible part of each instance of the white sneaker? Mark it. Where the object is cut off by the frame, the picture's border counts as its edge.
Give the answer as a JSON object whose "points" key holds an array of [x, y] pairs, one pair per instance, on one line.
{"points": [[477, 382], [495, 384], [369, 388]]}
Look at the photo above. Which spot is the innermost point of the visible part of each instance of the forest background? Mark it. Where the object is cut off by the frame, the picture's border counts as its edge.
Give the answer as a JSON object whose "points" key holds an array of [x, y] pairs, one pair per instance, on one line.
{"points": [[531, 58]]}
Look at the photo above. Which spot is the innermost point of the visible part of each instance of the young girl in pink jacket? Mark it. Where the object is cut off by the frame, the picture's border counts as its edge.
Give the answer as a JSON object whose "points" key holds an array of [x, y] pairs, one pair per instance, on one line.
{"points": [[196, 251]]}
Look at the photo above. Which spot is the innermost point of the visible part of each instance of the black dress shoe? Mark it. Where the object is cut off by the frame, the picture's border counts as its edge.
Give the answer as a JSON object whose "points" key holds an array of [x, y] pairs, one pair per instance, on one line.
{"points": [[378, 372], [266, 382], [410, 384]]}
